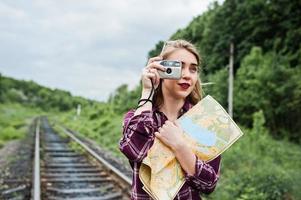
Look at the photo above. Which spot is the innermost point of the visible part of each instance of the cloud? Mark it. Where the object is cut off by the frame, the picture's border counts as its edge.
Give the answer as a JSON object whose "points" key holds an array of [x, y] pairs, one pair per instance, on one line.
{"points": [[87, 47]]}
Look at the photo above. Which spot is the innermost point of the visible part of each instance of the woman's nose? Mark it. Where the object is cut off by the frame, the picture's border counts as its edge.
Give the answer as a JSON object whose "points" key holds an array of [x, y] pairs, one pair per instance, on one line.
{"points": [[184, 73]]}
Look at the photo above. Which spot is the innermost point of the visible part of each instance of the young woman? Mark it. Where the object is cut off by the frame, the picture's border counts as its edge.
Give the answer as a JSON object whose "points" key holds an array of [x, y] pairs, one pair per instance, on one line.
{"points": [[156, 118]]}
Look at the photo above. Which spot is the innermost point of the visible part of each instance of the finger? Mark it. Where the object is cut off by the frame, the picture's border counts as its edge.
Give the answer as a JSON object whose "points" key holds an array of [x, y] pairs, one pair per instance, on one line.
{"points": [[148, 77], [152, 77], [152, 70], [149, 74], [157, 66], [177, 123], [167, 122], [153, 59], [146, 70], [158, 135], [153, 74], [157, 77]]}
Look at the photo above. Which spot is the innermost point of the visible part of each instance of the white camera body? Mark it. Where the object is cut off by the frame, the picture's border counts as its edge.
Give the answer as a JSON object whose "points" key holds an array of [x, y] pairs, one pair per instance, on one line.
{"points": [[173, 69]]}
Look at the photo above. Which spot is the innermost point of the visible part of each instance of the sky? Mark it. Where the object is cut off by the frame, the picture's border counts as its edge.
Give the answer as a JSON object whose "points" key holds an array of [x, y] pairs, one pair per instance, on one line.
{"points": [[87, 47]]}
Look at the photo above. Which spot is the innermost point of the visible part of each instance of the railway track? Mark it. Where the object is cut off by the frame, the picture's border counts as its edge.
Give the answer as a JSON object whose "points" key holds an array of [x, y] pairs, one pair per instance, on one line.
{"points": [[61, 172], [69, 174]]}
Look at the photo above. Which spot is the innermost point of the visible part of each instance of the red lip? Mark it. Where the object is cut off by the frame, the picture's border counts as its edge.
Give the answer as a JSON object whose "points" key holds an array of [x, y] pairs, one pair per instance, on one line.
{"points": [[184, 86]]}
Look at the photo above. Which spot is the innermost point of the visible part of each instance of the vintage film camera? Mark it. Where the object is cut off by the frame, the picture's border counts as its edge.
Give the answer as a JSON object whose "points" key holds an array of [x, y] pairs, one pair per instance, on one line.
{"points": [[173, 69]]}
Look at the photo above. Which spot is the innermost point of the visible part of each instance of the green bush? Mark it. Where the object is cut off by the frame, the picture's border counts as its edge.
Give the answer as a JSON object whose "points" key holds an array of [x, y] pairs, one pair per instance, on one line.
{"points": [[266, 183], [1, 144], [18, 124], [262, 83], [259, 167], [10, 133]]}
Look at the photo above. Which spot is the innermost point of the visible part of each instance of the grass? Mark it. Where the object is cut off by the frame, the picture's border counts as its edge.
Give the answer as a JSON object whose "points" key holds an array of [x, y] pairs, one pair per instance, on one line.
{"points": [[260, 167], [14, 121]]}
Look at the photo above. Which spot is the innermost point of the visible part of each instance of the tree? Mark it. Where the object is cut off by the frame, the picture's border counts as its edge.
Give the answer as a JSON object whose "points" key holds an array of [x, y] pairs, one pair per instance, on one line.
{"points": [[267, 82]]}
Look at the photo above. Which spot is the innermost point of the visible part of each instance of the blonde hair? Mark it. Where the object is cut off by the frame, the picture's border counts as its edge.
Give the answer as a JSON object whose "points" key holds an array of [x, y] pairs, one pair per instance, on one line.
{"points": [[168, 48]]}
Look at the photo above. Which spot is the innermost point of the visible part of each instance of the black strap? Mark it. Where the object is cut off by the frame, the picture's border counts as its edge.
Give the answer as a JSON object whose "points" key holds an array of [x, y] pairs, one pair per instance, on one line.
{"points": [[148, 98]]}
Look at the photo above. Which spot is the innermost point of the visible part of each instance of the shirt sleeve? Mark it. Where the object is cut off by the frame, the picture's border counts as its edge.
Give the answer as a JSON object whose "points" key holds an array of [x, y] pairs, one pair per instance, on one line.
{"points": [[138, 135], [206, 175]]}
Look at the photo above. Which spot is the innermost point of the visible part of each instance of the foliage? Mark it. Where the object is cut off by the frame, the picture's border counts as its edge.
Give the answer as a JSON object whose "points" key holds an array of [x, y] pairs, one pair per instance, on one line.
{"points": [[76, 147], [273, 25], [1, 144], [10, 133], [157, 50], [122, 99], [31, 94], [259, 167], [14, 120], [262, 83], [219, 87]]}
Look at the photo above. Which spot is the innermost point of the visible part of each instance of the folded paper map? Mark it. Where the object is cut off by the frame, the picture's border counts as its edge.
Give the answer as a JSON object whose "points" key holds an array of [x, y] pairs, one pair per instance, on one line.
{"points": [[208, 130]]}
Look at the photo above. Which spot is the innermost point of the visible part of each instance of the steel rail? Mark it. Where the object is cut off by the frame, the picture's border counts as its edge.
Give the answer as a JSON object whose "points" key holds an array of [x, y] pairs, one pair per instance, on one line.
{"points": [[36, 174]]}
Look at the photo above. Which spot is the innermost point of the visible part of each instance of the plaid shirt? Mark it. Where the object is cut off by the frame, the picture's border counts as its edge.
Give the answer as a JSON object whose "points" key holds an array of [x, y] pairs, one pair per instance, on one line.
{"points": [[138, 137]]}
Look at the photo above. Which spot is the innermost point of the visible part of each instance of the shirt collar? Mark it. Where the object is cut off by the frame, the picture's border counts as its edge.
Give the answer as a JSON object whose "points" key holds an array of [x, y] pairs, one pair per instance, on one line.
{"points": [[187, 105]]}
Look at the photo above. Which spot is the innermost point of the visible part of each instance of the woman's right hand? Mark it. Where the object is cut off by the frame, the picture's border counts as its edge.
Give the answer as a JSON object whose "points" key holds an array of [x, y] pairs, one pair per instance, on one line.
{"points": [[150, 72]]}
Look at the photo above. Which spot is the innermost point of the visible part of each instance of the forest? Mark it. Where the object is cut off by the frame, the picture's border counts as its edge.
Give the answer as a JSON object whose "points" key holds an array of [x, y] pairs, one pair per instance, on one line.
{"points": [[265, 163]]}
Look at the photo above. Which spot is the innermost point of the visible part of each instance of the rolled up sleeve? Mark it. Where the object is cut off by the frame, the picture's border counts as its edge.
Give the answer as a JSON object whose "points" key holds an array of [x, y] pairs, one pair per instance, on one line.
{"points": [[138, 135], [206, 175]]}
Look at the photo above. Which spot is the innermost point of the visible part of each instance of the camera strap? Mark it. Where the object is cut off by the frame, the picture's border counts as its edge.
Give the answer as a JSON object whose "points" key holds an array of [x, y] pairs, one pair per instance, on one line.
{"points": [[148, 98]]}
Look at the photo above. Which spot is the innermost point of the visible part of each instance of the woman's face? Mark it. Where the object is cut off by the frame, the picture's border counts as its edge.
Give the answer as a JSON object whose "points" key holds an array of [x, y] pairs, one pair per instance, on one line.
{"points": [[180, 89]]}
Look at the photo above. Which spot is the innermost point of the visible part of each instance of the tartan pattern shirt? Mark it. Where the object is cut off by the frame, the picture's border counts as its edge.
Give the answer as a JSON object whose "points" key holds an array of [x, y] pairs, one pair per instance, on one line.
{"points": [[138, 137]]}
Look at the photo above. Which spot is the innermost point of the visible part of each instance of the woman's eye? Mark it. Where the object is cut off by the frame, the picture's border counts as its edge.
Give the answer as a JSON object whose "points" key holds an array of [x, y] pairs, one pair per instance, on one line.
{"points": [[193, 69]]}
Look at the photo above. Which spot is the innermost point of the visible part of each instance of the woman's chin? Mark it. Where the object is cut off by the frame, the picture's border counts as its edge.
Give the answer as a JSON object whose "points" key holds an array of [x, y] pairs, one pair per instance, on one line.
{"points": [[182, 95]]}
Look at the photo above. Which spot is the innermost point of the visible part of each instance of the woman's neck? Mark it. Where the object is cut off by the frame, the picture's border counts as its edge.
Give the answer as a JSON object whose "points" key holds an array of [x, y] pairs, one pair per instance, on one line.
{"points": [[171, 107]]}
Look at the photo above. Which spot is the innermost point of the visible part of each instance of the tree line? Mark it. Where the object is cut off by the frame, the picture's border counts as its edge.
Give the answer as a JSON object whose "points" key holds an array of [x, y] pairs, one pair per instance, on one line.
{"points": [[32, 94]]}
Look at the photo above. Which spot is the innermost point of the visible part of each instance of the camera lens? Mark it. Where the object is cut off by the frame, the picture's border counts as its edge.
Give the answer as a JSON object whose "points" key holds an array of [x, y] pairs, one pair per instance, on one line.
{"points": [[168, 70]]}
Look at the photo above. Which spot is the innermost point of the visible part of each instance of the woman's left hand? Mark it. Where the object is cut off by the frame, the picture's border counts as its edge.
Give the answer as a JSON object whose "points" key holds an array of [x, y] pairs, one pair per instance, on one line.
{"points": [[171, 134]]}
